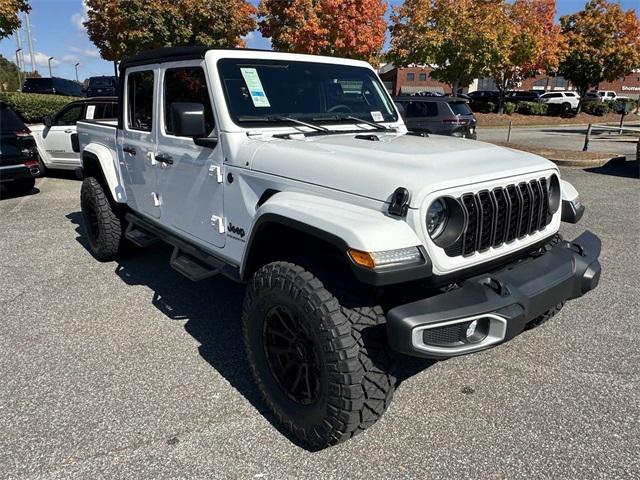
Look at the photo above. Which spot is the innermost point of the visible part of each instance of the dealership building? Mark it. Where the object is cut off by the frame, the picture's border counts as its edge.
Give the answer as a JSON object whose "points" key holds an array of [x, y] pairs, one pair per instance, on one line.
{"points": [[416, 79]]}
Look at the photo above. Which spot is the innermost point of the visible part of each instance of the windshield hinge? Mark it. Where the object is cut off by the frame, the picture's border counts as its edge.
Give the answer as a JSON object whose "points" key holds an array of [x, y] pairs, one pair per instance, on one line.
{"points": [[216, 171]]}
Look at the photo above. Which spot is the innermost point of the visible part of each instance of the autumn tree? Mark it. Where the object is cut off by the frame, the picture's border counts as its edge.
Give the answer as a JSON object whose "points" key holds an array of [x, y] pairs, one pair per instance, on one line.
{"points": [[450, 36], [345, 28], [526, 42], [9, 19], [121, 28], [603, 43]]}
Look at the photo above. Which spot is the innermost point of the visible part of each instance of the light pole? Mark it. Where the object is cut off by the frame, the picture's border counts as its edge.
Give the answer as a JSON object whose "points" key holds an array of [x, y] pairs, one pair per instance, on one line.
{"points": [[50, 74], [18, 64], [77, 72]]}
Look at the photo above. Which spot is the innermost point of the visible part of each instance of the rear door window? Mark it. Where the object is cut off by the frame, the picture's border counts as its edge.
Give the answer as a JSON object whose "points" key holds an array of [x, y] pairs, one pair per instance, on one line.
{"points": [[9, 120], [422, 109], [140, 100], [101, 111], [460, 108]]}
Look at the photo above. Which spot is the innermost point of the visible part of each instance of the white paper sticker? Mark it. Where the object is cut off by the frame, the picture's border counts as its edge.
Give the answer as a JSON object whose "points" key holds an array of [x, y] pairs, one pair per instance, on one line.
{"points": [[91, 109], [254, 85], [377, 117]]}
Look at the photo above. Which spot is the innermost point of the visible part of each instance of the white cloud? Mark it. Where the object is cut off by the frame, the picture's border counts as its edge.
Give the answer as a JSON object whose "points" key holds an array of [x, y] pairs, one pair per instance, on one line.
{"points": [[78, 19], [42, 60], [86, 52]]}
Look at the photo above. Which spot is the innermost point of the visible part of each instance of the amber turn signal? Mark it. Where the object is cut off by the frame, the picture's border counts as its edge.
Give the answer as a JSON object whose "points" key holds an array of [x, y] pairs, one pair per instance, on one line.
{"points": [[363, 259]]}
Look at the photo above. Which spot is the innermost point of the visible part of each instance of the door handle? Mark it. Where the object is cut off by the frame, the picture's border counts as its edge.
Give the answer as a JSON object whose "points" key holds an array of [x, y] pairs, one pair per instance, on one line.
{"points": [[161, 157], [129, 150]]}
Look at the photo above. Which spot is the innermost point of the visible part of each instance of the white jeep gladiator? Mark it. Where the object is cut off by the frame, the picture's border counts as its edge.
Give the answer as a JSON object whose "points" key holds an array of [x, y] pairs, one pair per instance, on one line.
{"points": [[358, 241]]}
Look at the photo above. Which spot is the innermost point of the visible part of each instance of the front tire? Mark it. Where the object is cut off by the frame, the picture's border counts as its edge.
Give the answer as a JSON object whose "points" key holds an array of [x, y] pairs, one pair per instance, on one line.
{"points": [[323, 369], [101, 225]]}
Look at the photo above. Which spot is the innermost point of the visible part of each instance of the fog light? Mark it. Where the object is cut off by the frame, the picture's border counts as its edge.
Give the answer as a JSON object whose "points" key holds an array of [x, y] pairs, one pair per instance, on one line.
{"points": [[477, 330]]}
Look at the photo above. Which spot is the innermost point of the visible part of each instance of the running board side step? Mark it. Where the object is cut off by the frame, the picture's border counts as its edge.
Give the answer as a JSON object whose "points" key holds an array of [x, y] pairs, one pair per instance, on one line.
{"points": [[139, 237], [189, 266]]}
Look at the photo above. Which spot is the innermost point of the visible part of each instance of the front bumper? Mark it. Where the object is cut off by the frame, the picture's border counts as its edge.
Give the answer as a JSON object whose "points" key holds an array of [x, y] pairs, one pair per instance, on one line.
{"points": [[504, 302]]}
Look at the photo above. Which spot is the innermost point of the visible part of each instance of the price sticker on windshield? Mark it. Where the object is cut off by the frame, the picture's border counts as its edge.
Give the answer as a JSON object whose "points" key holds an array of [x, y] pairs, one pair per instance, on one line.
{"points": [[377, 117], [252, 79]]}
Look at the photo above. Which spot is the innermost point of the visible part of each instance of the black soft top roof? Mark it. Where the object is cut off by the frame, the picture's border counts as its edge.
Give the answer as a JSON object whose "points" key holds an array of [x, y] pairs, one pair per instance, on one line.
{"points": [[172, 54]]}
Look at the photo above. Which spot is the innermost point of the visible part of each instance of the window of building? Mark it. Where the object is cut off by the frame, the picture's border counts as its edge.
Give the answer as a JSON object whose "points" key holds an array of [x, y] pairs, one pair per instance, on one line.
{"points": [[186, 85], [411, 77], [422, 77], [140, 100], [561, 82]]}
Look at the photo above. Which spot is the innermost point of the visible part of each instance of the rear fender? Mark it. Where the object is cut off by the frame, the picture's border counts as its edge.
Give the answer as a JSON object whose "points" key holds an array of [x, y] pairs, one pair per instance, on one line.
{"points": [[94, 155]]}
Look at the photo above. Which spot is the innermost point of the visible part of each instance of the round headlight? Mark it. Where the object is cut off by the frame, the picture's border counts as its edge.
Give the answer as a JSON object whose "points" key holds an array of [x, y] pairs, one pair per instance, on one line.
{"points": [[436, 218], [554, 193]]}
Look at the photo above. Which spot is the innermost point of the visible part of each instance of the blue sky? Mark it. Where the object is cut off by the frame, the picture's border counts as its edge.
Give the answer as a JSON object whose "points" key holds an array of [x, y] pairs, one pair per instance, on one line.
{"points": [[58, 32]]}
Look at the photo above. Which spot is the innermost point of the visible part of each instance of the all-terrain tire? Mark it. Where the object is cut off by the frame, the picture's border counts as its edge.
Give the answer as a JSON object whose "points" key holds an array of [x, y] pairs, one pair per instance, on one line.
{"points": [[355, 366], [549, 314], [102, 226]]}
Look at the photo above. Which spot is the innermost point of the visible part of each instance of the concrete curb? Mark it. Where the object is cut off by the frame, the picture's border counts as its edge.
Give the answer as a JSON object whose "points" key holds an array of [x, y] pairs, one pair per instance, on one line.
{"points": [[595, 162]]}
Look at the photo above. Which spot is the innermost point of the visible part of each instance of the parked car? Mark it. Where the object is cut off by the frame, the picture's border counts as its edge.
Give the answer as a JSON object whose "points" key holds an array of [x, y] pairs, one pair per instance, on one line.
{"points": [[18, 159], [438, 115], [357, 239], [53, 86], [104, 86], [603, 96], [56, 138], [567, 99], [522, 96], [481, 98]]}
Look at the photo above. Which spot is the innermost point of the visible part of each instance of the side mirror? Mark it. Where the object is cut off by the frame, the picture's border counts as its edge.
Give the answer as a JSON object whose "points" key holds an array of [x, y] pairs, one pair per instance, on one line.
{"points": [[187, 119], [48, 121]]}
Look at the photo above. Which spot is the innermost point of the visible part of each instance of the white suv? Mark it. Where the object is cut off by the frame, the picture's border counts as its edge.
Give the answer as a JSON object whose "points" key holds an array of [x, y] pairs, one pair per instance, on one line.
{"points": [[357, 240], [568, 99]]}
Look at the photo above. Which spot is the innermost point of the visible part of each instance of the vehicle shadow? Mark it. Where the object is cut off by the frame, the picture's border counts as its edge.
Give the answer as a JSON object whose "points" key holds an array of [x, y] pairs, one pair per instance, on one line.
{"points": [[630, 169], [211, 309], [6, 193]]}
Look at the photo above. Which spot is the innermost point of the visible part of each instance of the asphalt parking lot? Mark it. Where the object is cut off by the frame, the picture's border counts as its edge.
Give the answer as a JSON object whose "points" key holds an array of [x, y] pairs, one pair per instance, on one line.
{"points": [[128, 370]]}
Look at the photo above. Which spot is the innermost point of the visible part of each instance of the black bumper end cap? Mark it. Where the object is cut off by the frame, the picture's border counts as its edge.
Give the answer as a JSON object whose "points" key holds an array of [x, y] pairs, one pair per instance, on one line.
{"points": [[571, 213]]}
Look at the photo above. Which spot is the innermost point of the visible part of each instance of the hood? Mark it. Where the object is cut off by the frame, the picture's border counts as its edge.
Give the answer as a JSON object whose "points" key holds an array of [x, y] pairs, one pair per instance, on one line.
{"points": [[374, 169]]}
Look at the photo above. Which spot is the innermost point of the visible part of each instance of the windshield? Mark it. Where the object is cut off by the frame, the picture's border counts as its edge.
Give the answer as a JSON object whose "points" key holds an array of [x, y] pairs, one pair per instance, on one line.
{"points": [[261, 90], [101, 82]]}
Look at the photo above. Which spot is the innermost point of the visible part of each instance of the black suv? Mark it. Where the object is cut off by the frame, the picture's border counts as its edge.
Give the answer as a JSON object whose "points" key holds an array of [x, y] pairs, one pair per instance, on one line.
{"points": [[439, 115], [53, 86], [18, 157], [104, 86], [522, 96]]}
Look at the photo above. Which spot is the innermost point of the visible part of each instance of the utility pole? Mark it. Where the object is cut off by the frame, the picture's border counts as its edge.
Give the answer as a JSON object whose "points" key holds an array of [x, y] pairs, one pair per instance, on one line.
{"points": [[77, 80], [19, 72], [30, 42], [20, 54], [50, 74]]}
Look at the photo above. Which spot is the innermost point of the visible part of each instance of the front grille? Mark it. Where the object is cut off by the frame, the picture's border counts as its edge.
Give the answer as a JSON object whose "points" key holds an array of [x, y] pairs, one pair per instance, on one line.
{"points": [[502, 215]]}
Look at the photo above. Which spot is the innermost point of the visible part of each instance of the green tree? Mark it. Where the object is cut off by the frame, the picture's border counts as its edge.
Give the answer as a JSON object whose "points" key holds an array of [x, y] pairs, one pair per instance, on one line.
{"points": [[121, 28], [450, 36], [8, 76], [603, 43], [9, 19]]}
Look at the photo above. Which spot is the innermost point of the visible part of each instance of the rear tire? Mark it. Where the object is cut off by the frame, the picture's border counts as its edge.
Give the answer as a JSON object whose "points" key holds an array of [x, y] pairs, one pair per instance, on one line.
{"points": [[345, 349], [101, 225]]}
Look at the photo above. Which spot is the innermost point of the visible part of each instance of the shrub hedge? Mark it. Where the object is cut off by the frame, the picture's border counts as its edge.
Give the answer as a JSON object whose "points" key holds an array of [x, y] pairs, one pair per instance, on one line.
{"points": [[596, 108], [509, 108], [532, 108], [33, 106]]}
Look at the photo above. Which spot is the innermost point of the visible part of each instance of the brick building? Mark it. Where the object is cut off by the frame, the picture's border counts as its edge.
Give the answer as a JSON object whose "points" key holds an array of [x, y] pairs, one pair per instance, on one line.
{"points": [[412, 80]]}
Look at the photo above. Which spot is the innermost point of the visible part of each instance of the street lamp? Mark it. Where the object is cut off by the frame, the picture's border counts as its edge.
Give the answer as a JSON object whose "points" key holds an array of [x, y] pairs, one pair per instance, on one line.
{"points": [[50, 74], [19, 72], [77, 72]]}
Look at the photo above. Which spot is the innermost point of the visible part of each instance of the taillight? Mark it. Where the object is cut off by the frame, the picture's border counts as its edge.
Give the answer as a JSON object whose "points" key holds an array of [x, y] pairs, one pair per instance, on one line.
{"points": [[24, 132], [31, 163]]}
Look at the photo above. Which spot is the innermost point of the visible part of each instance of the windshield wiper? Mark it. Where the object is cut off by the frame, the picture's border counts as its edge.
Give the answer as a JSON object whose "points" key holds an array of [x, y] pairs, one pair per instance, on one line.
{"points": [[377, 125], [282, 118]]}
